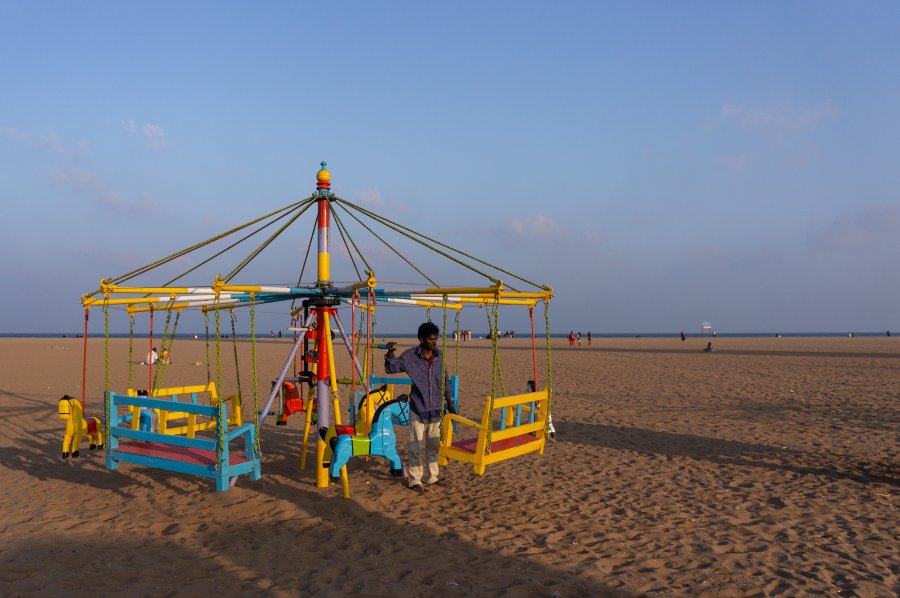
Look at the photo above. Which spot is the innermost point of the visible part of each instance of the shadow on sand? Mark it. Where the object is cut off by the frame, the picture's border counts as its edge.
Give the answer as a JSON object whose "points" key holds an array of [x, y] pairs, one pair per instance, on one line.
{"points": [[306, 542], [723, 452]]}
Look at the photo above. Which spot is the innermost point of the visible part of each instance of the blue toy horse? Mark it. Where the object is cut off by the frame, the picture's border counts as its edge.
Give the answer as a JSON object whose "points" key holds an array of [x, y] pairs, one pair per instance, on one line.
{"points": [[381, 441]]}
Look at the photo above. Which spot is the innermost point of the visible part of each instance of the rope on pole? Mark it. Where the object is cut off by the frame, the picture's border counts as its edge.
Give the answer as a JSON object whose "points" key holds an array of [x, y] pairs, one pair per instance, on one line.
{"points": [[177, 254], [243, 264], [389, 246], [229, 248], [417, 236]]}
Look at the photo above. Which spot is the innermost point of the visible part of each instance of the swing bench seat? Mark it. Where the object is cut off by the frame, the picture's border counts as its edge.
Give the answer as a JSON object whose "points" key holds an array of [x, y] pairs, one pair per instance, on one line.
{"points": [[205, 457], [492, 446]]}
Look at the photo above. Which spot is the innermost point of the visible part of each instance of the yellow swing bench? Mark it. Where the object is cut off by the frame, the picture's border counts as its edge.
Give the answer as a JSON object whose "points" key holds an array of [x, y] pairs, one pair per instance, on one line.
{"points": [[511, 440]]}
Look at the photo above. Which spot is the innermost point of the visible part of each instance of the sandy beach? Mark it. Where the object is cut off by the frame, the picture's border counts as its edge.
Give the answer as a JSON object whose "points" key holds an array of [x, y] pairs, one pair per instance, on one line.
{"points": [[767, 468]]}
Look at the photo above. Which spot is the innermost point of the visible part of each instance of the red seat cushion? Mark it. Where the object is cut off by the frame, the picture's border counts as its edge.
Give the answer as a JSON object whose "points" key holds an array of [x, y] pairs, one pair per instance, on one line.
{"points": [[470, 444], [176, 453]]}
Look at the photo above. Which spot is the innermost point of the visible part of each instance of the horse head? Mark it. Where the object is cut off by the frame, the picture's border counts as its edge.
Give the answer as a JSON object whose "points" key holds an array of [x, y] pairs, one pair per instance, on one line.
{"points": [[397, 409], [69, 407]]}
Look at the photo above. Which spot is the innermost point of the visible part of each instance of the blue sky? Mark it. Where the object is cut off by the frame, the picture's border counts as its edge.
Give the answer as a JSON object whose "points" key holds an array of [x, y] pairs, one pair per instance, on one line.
{"points": [[657, 163]]}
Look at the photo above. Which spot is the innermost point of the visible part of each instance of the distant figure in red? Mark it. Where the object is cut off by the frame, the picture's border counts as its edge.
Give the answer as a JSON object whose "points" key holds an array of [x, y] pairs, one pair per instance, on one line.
{"points": [[682, 335], [571, 338], [589, 339]]}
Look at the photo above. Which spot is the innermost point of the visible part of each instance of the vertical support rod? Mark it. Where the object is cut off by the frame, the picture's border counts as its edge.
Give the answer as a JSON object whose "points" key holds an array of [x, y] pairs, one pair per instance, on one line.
{"points": [[84, 359], [150, 358]]}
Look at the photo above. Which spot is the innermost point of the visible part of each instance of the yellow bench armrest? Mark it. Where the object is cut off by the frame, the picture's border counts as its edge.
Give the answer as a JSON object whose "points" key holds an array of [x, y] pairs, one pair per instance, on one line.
{"points": [[225, 399], [463, 420]]}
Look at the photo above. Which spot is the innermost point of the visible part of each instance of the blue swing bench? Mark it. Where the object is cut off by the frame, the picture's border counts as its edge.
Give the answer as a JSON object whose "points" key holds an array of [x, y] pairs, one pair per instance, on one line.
{"points": [[193, 456]]}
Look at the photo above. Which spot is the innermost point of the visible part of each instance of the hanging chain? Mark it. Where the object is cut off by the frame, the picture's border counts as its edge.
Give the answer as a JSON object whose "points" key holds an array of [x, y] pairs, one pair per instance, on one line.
{"points": [[162, 346], [549, 360], [496, 314], [372, 334], [494, 367], [443, 367], [208, 372], [218, 347], [166, 349], [107, 406], [256, 447], [458, 335], [131, 351]]}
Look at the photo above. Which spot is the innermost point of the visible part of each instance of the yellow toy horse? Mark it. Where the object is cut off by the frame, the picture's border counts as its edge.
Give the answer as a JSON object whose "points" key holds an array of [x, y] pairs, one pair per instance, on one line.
{"points": [[78, 427]]}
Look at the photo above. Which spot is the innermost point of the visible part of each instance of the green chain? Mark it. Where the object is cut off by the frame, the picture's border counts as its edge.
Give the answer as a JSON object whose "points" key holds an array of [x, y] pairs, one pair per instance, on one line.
{"points": [[162, 346], [218, 348], [549, 360], [131, 351], [220, 439], [458, 335], [257, 449], [107, 406], [443, 354], [371, 351], [495, 363], [166, 349], [220, 436], [443, 366], [208, 372], [499, 370]]}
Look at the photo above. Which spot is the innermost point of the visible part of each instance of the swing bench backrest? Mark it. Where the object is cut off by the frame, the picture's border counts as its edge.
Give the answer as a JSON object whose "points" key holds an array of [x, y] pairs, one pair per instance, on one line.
{"points": [[512, 439], [185, 423]]}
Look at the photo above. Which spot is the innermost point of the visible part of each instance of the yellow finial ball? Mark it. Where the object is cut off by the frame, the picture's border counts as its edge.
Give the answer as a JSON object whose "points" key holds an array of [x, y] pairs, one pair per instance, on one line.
{"points": [[323, 176]]}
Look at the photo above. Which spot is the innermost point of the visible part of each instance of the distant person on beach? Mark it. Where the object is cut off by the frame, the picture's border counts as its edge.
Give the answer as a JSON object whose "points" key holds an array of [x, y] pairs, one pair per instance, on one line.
{"points": [[682, 335], [164, 357], [589, 338], [709, 348], [152, 357], [578, 337], [424, 364], [888, 333], [571, 338]]}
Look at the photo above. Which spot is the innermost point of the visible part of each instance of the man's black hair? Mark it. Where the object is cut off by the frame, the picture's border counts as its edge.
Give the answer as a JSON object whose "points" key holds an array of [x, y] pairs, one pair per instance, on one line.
{"points": [[427, 329]]}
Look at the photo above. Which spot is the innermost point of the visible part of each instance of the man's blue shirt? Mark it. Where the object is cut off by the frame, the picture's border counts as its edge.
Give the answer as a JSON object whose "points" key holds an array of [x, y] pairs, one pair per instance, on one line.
{"points": [[425, 395]]}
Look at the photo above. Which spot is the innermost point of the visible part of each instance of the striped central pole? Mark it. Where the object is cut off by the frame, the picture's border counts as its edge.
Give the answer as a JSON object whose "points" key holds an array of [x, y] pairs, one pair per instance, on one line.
{"points": [[323, 344]]}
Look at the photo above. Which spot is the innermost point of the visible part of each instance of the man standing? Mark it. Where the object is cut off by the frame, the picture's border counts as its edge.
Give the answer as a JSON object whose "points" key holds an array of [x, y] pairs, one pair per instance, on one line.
{"points": [[424, 364]]}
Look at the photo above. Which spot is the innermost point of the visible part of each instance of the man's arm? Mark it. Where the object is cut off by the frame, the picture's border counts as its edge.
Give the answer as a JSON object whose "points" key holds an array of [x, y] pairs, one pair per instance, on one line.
{"points": [[392, 363]]}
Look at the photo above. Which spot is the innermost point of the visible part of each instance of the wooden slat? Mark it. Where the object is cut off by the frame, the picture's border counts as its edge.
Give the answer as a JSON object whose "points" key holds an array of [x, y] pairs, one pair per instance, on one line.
{"points": [[519, 399], [498, 435]]}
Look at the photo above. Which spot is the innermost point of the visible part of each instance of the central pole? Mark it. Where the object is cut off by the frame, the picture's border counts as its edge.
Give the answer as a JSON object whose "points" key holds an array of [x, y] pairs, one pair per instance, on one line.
{"points": [[323, 344]]}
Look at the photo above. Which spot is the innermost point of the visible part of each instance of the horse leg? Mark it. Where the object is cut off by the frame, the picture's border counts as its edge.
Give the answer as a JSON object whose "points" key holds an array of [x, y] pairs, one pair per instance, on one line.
{"points": [[384, 443], [67, 440], [80, 429], [390, 453], [99, 433], [343, 450]]}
